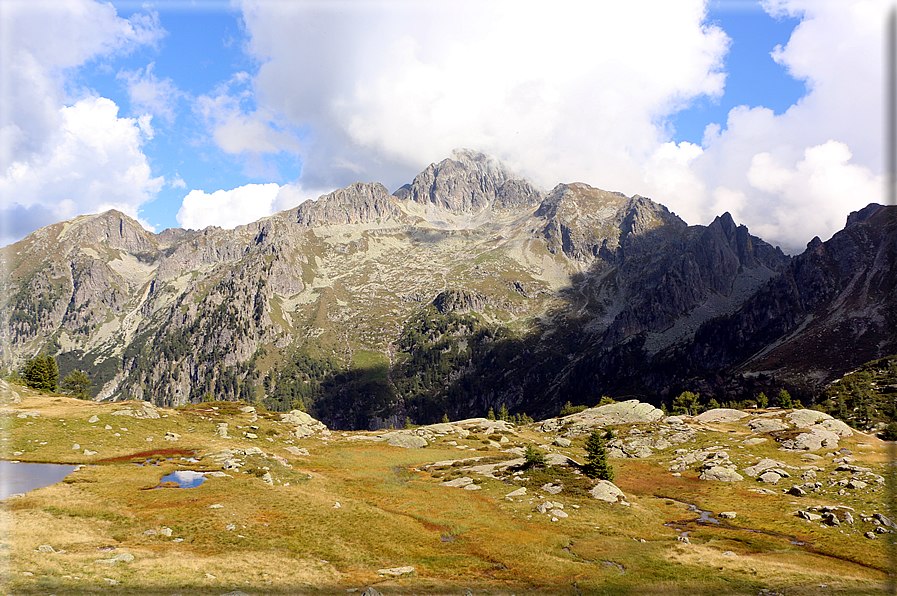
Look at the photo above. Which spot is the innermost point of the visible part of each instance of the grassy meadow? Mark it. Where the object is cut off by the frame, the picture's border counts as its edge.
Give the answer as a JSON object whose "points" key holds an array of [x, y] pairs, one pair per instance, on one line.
{"points": [[331, 521]]}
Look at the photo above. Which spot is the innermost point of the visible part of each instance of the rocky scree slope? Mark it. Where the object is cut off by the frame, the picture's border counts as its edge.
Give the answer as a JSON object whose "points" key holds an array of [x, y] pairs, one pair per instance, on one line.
{"points": [[468, 288]]}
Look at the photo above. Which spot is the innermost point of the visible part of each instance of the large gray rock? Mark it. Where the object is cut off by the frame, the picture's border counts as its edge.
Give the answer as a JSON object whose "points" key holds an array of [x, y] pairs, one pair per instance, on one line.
{"points": [[767, 425], [721, 474], [146, 411], [761, 466], [606, 490], [816, 439], [303, 424], [407, 441], [397, 571], [627, 412], [458, 482], [805, 418], [720, 415]]}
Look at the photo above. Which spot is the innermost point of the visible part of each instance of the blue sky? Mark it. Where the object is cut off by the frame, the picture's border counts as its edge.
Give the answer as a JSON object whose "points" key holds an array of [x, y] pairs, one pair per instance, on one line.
{"points": [[194, 113]]}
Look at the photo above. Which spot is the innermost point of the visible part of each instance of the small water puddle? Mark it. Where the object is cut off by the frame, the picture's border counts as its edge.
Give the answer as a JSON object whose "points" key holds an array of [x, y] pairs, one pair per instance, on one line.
{"points": [[183, 479], [18, 477]]}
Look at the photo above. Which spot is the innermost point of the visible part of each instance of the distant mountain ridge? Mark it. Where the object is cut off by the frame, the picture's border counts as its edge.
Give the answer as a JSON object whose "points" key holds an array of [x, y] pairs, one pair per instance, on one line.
{"points": [[465, 289]]}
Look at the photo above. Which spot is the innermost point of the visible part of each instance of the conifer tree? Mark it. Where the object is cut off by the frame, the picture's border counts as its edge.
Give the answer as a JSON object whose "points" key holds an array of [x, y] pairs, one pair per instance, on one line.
{"points": [[597, 465], [785, 400], [41, 373]]}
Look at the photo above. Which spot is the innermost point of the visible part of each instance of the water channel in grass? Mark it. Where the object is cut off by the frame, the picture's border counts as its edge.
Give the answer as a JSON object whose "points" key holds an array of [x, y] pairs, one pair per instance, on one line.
{"points": [[17, 477]]}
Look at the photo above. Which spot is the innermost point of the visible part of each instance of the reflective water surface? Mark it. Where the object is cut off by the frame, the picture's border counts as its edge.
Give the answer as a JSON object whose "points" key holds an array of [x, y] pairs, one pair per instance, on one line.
{"points": [[184, 478], [22, 477]]}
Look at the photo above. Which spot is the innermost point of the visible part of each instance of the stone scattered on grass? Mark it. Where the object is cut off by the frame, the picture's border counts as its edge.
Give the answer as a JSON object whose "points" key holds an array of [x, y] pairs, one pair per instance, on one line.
{"points": [[458, 482], [397, 571], [46, 548], [119, 558], [727, 514]]}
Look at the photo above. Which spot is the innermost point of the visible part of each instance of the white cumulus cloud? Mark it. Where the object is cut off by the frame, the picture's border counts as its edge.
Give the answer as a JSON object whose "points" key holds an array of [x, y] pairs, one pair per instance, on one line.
{"points": [[96, 163], [150, 94], [59, 155], [227, 208], [571, 92]]}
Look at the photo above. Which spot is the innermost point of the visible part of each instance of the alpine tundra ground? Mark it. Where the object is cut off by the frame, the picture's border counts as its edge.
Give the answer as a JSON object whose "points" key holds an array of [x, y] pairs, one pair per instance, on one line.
{"points": [[288, 507]]}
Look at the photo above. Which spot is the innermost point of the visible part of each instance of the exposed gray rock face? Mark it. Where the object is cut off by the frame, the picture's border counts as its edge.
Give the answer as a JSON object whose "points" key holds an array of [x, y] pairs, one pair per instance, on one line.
{"points": [[469, 182], [628, 280], [814, 302], [357, 203]]}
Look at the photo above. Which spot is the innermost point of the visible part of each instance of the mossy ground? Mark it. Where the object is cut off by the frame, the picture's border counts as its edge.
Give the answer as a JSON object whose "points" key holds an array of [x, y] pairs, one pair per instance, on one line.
{"points": [[292, 538]]}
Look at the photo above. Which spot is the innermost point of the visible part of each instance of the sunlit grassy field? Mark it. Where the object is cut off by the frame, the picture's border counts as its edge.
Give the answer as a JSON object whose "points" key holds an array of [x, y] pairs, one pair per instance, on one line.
{"points": [[329, 522]]}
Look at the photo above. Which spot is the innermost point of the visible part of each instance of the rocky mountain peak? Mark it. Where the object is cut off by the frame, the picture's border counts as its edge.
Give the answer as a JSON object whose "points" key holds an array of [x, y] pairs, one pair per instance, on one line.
{"points": [[469, 182], [113, 228], [357, 203], [863, 214]]}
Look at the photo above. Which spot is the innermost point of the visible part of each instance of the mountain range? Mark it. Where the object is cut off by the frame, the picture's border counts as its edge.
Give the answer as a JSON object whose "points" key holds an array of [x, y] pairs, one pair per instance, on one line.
{"points": [[468, 289]]}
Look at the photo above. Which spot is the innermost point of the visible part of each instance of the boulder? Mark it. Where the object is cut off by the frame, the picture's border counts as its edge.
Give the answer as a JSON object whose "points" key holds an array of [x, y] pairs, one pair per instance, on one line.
{"points": [[304, 425], [761, 466], [769, 477], [552, 489], [146, 411], [606, 490], [407, 441], [397, 571], [805, 418], [720, 415], [816, 439], [766, 425], [561, 442], [458, 482], [119, 558], [837, 426], [520, 492], [627, 412], [721, 474], [728, 514]]}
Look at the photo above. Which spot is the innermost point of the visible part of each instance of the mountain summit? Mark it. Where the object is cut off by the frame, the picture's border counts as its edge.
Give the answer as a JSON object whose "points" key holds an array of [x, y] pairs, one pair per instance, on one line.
{"points": [[468, 288]]}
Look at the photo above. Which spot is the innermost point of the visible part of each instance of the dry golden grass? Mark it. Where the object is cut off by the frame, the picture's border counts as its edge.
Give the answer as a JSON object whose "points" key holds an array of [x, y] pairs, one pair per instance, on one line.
{"points": [[291, 539]]}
